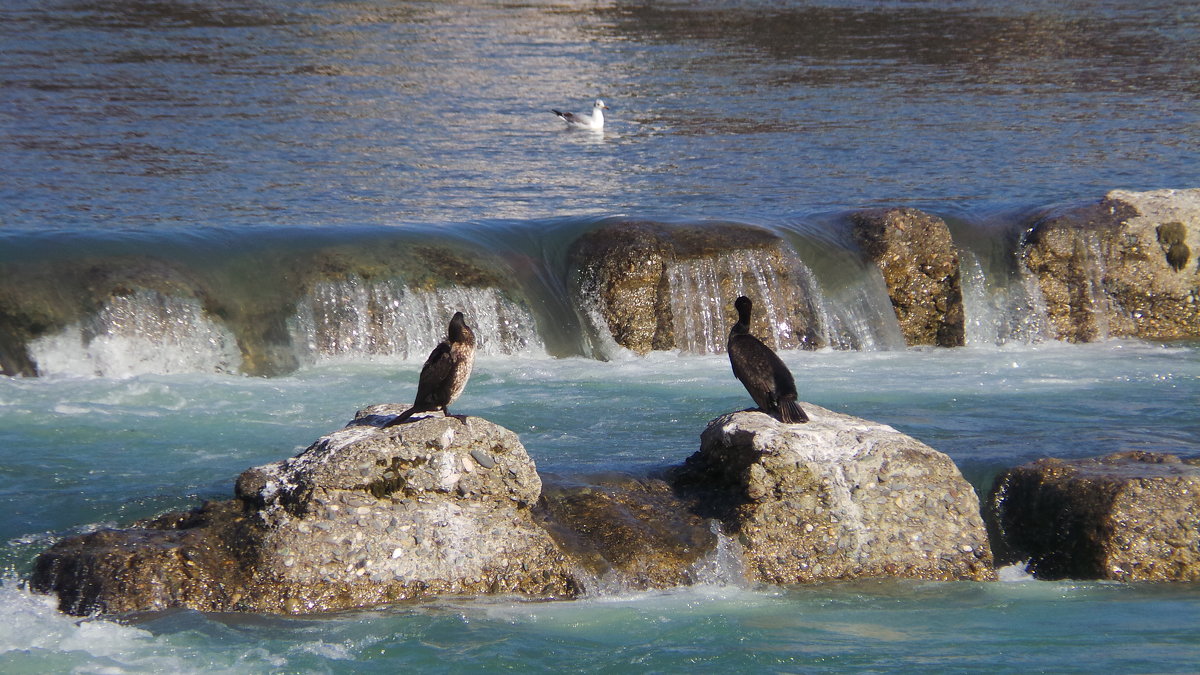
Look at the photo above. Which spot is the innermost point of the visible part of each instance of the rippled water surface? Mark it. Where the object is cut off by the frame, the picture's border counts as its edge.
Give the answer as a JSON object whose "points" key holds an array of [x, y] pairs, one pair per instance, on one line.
{"points": [[81, 453], [186, 113], [212, 131]]}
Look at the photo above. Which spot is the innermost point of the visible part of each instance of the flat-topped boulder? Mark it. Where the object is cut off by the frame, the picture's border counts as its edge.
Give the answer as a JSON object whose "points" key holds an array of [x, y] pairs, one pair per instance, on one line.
{"points": [[839, 497], [454, 506], [919, 262], [659, 286], [1124, 266], [1132, 516], [442, 505]]}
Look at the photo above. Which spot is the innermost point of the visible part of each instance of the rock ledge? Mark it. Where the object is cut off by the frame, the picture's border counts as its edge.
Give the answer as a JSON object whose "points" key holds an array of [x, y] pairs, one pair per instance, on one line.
{"points": [[839, 497]]}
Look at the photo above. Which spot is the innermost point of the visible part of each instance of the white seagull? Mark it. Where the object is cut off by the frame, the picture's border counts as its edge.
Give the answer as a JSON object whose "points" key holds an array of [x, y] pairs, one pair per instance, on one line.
{"points": [[595, 121]]}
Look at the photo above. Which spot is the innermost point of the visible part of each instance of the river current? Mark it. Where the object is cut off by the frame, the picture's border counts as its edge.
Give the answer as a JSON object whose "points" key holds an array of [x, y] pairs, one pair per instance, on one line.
{"points": [[225, 135]]}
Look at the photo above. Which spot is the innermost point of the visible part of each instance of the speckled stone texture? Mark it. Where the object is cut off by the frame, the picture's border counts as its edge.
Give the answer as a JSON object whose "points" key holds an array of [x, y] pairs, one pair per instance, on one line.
{"points": [[454, 505], [657, 286], [836, 498], [1125, 266], [919, 262], [1131, 516], [440, 505]]}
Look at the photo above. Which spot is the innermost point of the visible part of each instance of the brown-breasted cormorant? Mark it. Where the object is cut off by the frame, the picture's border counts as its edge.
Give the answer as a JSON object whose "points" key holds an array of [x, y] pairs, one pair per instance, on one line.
{"points": [[445, 372], [763, 373]]}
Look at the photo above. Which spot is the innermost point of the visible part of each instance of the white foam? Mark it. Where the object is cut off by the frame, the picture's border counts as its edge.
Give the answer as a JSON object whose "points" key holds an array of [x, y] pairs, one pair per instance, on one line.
{"points": [[33, 623], [356, 317], [1001, 309], [723, 565], [1015, 573], [141, 333]]}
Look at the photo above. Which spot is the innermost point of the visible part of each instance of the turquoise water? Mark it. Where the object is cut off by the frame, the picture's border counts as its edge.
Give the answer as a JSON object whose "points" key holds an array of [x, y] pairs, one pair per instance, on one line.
{"points": [[1014, 627], [221, 137], [80, 453]]}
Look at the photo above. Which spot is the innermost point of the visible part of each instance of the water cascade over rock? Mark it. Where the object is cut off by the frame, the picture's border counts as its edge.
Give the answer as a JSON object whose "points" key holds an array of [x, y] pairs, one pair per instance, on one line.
{"points": [[267, 302], [653, 286], [1132, 516], [1125, 266], [388, 317], [920, 266], [225, 307]]}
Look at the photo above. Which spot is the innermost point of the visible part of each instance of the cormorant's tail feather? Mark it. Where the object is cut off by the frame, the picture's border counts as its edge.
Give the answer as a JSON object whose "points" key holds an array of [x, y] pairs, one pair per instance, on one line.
{"points": [[401, 418], [791, 412]]}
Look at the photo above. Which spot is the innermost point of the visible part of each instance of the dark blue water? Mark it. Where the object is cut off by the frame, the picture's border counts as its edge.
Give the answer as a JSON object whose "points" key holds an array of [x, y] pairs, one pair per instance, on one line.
{"points": [[223, 136], [189, 114]]}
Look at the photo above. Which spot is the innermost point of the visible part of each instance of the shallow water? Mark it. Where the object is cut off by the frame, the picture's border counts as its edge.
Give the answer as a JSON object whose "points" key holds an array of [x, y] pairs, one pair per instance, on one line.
{"points": [[228, 135], [80, 453], [870, 626]]}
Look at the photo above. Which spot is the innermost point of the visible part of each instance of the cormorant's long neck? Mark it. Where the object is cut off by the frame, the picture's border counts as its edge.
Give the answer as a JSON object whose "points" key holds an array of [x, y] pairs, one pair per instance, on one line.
{"points": [[460, 332], [742, 326]]}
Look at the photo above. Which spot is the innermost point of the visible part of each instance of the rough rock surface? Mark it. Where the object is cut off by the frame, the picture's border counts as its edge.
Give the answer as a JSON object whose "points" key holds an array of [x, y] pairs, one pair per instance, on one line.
{"points": [[363, 516], [1128, 516], [443, 506], [919, 263], [1125, 266], [836, 498], [656, 286], [627, 532]]}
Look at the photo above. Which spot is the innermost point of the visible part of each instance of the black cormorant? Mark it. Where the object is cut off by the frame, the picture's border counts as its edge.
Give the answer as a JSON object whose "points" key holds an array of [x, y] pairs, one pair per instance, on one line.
{"points": [[445, 372], [765, 376]]}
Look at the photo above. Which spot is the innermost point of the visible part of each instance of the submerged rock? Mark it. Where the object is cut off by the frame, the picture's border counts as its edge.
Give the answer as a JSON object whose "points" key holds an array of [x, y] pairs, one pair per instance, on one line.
{"points": [[654, 286], [1131, 516], [1121, 267], [241, 306], [837, 498], [919, 263], [627, 532], [363, 516]]}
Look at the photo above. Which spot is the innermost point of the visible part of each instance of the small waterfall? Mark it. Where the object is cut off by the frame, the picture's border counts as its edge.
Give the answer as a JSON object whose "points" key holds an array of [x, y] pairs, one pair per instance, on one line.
{"points": [[702, 292], [155, 304], [356, 317], [1001, 308], [145, 332], [1099, 303], [859, 317], [724, 565]]}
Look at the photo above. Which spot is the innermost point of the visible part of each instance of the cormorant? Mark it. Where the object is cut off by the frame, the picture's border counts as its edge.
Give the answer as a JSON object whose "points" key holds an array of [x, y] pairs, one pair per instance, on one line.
{"points": [[445, 372], [764, 375]]}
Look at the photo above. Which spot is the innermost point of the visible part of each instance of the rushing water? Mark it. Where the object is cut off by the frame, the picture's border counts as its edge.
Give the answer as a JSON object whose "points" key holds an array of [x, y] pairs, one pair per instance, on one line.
{"points": [[82, 453], [225, 147]]}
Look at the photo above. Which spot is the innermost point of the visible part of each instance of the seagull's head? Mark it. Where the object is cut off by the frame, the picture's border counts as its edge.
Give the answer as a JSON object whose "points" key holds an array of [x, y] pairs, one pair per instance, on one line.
{"points": [[600, 105]]}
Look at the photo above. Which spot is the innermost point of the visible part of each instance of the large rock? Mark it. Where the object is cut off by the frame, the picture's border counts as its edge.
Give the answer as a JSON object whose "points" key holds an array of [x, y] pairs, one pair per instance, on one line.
{"points": [[655, 286], [443, 506], [1125, 266], [919, 263], [363, 516], [1128, 516], [836, 498]]}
